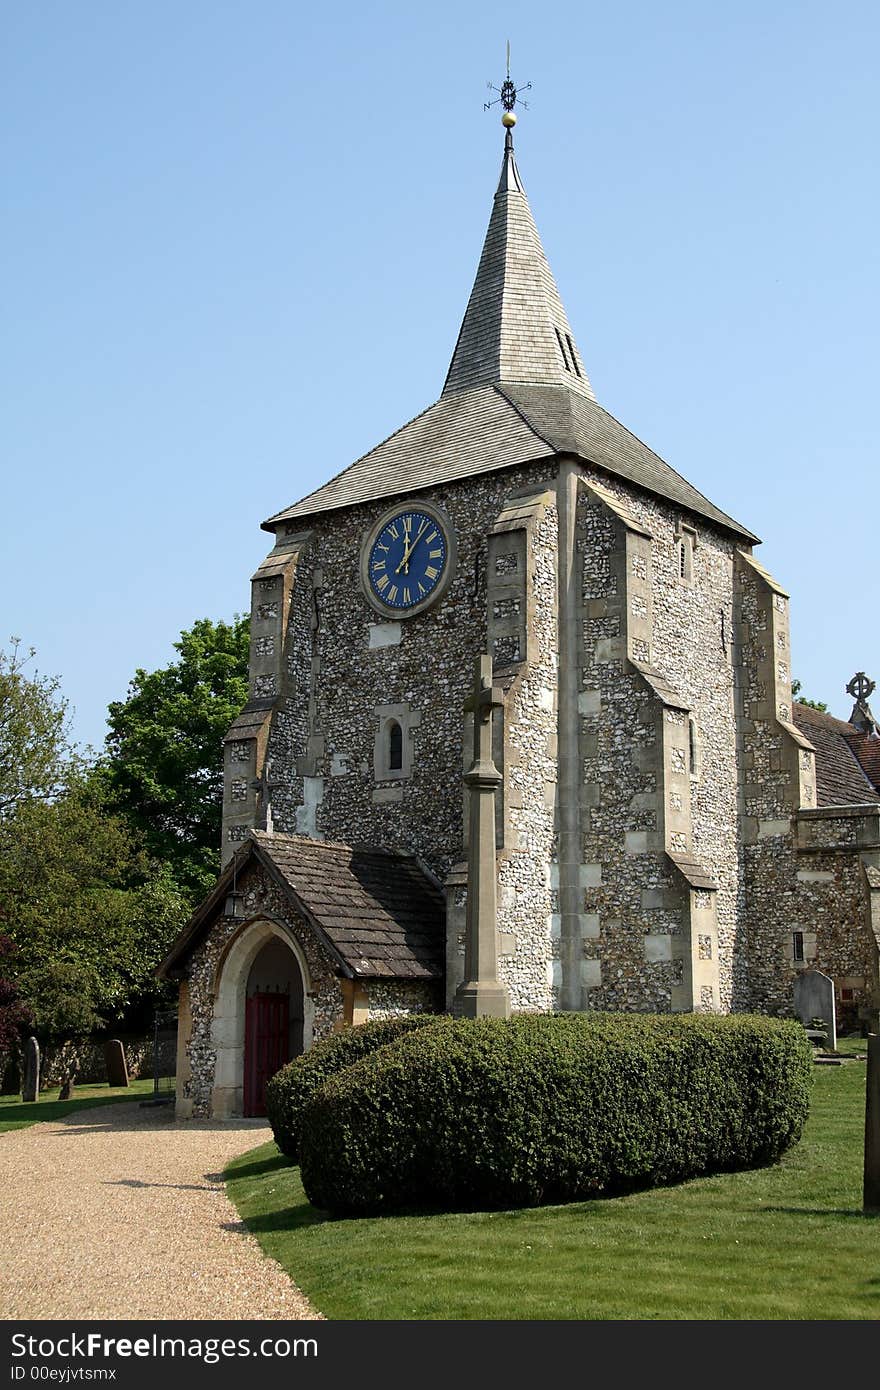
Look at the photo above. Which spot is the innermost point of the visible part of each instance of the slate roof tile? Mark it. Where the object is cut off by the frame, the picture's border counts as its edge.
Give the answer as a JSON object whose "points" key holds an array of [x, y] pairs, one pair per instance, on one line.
{"points": [[381, 914], [840, 778], [516, 392], [866, 748]]}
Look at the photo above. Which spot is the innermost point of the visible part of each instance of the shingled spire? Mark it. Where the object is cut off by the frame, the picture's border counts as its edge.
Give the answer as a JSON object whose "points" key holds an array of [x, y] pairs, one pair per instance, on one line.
{"points": [[515, 329]]}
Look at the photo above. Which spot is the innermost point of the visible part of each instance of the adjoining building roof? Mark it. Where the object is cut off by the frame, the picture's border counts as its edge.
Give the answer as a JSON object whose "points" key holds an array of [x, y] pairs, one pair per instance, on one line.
{"points": [[377, 912], [866, 747], [841, 780], [516, 391]]}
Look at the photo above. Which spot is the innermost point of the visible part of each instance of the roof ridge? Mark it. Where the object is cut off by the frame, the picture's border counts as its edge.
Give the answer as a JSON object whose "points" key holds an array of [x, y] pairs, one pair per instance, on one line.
{"points": [[539, 434]]}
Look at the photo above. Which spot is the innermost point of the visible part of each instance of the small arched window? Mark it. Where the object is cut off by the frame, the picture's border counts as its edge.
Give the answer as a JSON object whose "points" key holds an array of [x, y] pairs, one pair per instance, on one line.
{"points": [[395, 746], [685, 542]]}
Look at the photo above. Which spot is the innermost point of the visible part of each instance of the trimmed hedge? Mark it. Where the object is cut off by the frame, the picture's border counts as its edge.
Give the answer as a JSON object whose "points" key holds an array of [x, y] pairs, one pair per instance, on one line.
{"points": [[551, 1108], [291, 1088]]}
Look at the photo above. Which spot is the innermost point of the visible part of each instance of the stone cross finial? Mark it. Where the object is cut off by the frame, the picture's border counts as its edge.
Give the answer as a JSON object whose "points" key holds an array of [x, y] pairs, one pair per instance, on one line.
{"points": [[860, 687], [264, 785], [482, 994]]}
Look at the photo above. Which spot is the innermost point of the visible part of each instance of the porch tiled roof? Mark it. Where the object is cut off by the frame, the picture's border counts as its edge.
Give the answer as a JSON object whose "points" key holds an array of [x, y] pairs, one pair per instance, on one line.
{"points": [[377, 912]]}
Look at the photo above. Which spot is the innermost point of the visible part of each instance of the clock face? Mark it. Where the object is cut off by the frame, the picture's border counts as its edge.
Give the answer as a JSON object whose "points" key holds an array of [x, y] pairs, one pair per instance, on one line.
{"points": [[408, 560]]}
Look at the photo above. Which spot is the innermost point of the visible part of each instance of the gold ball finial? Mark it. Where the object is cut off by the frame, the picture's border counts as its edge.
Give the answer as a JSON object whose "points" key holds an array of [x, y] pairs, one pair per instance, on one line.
{"points": [[508, 120]]}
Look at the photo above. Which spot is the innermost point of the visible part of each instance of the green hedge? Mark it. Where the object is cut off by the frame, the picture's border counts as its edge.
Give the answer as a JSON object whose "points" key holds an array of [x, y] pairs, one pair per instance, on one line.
{"points": [[291, 1088], [549, 1108]]}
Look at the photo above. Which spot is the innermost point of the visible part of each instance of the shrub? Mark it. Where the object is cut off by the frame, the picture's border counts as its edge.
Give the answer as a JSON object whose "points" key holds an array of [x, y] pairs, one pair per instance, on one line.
{"points": [[549, 1108], [290, 1089]]}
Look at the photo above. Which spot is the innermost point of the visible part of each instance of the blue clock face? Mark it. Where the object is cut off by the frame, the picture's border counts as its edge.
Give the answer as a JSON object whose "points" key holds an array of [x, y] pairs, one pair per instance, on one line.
{"points": [[408, 560]]}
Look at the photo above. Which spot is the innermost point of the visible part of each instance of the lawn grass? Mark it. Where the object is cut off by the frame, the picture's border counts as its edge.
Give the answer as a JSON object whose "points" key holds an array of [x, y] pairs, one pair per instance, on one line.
{"points": [[786, 1242], [16, 1114]]}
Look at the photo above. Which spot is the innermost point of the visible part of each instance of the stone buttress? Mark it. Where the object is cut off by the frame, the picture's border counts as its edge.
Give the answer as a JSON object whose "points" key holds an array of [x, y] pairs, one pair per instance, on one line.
{"points": [[521, 636], [280, 696], [643, 930], [810, 899]]}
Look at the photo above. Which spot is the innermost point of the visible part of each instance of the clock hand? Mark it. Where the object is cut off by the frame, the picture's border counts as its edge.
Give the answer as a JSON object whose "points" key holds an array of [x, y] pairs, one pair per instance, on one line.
{"points": [[404, 564]]}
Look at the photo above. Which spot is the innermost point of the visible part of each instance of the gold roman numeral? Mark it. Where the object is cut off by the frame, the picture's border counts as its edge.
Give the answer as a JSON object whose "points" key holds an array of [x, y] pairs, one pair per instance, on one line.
{"points": [[435, 554], [422, 589], [431, 572], [379, 564], [382, 583], [406, 597], [392, 593], [394, 531]]}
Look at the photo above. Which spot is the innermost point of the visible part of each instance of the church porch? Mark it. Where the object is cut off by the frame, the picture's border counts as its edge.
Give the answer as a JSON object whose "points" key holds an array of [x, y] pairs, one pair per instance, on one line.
{"points": [[299, 938]]}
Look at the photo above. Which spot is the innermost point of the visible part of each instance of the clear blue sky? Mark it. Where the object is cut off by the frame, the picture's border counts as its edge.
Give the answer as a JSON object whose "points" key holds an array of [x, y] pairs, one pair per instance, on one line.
{"points": [[238, 240]]}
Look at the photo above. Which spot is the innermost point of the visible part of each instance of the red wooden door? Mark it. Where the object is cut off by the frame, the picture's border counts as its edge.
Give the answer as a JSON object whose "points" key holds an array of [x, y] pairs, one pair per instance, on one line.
{"points": [[266, 1046]]}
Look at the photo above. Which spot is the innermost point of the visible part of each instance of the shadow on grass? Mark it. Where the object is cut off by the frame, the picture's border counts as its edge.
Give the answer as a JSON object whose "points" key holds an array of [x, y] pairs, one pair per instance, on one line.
{"points": [[37, 1112], [853, 1213], [274, 1164], [288, 1219]]}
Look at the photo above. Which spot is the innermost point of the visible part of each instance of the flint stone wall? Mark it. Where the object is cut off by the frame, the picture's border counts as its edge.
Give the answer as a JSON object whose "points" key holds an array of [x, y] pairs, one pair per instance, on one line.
{"points": [[634, 898], [717, 631], [394, 998], [323, 739], [803, 867], [322, 744]]}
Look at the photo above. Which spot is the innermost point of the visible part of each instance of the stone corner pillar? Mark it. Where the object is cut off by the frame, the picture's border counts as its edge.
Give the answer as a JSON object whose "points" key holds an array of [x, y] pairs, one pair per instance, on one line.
{"points": [[482, 994]]}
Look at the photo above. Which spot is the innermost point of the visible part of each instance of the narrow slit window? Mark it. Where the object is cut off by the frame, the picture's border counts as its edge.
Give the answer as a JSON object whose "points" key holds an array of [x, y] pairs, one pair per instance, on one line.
{"points": [[797, 944], [395, 746], [685, 542], [562, 350], [572, 354], [692, 747]]}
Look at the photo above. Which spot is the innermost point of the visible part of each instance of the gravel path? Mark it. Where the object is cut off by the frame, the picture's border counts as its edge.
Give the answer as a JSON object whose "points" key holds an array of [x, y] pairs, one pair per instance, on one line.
{"points": [[120, 1212]]}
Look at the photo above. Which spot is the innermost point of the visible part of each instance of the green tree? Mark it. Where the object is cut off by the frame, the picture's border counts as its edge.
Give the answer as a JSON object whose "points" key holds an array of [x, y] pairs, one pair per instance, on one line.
{"points": [[34, 744], [164, 751], [88, 912], [14, 1014], [796, 688]]}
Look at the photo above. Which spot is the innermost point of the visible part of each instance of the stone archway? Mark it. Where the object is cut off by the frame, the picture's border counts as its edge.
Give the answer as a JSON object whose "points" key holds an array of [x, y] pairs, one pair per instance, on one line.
{"points": [[250, 954]]}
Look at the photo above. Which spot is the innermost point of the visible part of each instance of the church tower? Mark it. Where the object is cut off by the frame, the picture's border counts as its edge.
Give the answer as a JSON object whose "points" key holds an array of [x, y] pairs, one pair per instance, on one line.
{"points": [[637, 654]]}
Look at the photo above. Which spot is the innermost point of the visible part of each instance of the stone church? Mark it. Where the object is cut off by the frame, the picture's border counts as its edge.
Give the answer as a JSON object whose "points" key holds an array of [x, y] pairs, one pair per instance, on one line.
{"points": [[512, 618]]}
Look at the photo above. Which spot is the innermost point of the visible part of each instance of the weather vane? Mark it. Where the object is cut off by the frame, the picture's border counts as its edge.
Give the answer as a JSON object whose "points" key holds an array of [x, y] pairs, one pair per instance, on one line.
{"points": [[507, 95]]}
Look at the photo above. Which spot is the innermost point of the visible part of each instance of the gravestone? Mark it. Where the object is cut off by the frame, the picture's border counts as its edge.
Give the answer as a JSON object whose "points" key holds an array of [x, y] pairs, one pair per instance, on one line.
{"points": [[114, 1057], [67, 1083], [872, 1126], [30, 1089], [814, 998]]}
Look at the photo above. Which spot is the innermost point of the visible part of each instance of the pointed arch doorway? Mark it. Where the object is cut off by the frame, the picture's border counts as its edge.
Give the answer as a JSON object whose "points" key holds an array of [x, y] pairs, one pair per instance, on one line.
{"points": [[263, 1015], [273, 1031]]}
